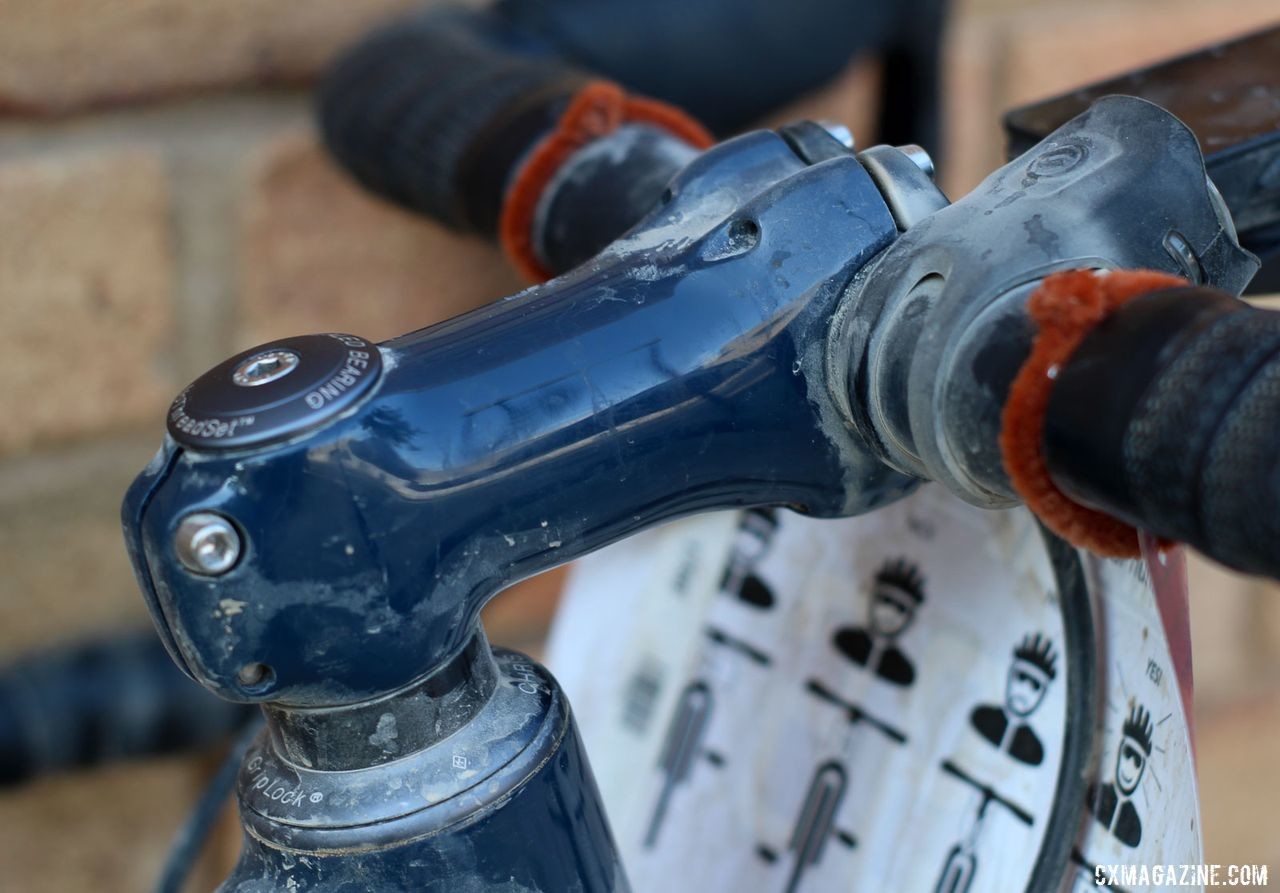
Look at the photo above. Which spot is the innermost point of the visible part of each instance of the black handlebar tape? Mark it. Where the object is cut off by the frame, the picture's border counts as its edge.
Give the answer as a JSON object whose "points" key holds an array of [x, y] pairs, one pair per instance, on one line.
{"points": [[112, 698], [1167, 416], [435, 112]]}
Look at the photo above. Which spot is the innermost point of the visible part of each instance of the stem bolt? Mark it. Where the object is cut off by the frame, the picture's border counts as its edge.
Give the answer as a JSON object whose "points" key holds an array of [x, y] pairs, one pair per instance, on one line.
{"points": [[919, 157], [265, 367], [841, 132], [207, 544]]}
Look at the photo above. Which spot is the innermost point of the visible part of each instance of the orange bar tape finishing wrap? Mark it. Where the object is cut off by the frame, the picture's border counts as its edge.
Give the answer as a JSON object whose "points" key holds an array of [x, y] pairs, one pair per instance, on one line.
{"points": [[597, 110], [1066, 307]]}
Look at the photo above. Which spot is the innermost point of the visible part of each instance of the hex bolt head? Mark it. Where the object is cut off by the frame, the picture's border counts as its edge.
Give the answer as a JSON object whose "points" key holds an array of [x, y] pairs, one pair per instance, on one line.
{"points": [[841, 132], [265, 367], [919, 157], [254, 675], [207, 544]]}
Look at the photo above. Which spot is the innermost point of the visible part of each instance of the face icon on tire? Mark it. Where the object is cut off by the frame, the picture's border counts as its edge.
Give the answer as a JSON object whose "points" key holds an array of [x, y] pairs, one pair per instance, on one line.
{"points": [[1033, 668], [1112, 802], [897, 592]]}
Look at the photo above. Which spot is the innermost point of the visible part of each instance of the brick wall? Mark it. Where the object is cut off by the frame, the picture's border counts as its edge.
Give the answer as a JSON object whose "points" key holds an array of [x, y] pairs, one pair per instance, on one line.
{"points": [[163, 203]]}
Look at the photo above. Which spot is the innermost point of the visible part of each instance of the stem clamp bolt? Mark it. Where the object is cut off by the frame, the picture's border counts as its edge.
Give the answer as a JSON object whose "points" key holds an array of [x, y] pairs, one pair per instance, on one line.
{"points": [[207, 544]]}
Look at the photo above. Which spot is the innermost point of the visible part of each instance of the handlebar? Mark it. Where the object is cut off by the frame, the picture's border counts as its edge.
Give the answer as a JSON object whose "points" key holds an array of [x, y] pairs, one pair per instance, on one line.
{"points": [[110, 698], [988, 793], [1167, 416], [435, 112], [456, 115], [1150, 462]]}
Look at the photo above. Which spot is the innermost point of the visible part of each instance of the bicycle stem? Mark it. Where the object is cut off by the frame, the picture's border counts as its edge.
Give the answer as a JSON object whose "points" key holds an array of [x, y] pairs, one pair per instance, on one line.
{"points": [[327, 517], [371, 499], [680, 372], [766, 337]]}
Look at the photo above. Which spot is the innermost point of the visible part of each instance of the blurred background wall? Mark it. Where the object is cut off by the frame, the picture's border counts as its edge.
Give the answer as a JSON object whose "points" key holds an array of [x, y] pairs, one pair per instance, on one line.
{"points": [[163, 203]]}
